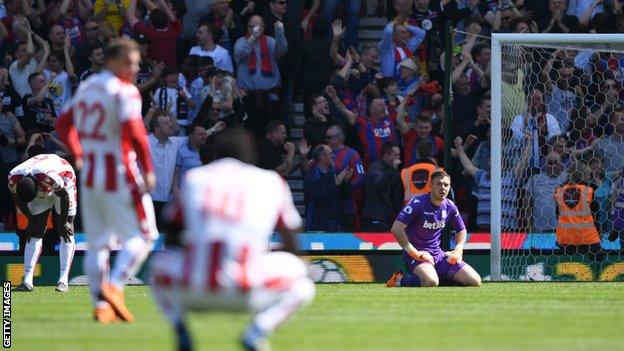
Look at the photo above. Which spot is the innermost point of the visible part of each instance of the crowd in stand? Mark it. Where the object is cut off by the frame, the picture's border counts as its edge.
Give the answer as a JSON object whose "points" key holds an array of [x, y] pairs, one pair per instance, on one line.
{"points": [[374, 112]]}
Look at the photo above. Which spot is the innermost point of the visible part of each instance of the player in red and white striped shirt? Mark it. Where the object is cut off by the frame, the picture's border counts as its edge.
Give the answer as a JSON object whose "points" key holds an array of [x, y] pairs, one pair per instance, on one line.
{"points": [[40, 184], [230, 210], [103, 127]]}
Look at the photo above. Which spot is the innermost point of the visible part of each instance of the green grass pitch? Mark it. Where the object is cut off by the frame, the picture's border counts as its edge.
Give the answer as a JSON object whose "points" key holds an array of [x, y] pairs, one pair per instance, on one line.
{"points": [[507, 316]]}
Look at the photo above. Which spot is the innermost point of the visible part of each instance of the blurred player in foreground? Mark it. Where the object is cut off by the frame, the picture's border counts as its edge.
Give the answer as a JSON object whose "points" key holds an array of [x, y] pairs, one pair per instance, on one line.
{"points": [[229, 210], [40, 184], [418, 229], [103, 128]]}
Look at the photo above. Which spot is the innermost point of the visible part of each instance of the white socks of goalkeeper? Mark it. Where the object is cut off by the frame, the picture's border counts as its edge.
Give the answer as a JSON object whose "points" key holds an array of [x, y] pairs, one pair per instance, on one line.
{"points": [[129, 260], [32, 251], [66, 255], [96, 267], [300, 293]]}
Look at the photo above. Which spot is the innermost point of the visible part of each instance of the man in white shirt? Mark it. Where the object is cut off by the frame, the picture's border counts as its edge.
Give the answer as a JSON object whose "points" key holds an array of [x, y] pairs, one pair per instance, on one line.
{"points": [[24, 65], [163, 148], [537, 121], [218, 256], [206, 46]]}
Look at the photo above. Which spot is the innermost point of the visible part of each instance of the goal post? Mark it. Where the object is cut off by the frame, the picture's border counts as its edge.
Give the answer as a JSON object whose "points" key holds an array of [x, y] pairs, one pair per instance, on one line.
{"points": [[506, 47]]}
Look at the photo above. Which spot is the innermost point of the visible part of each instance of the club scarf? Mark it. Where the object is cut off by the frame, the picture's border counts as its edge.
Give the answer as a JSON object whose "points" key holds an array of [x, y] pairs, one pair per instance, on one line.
{"points": [[265, 59], [181, 105], [401, 53]]}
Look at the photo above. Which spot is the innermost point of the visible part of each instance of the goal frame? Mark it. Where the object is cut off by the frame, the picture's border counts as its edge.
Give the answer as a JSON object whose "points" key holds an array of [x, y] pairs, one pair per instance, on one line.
{"points": [[497, 40]]}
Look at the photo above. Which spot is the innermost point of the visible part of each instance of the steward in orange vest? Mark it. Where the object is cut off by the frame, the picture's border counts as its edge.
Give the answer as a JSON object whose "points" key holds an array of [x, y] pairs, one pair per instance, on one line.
{"points": [[576, 212]]}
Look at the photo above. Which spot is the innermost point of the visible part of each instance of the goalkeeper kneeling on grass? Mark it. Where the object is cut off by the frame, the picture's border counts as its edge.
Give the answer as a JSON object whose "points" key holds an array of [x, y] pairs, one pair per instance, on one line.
{"points": [[418, 229]]}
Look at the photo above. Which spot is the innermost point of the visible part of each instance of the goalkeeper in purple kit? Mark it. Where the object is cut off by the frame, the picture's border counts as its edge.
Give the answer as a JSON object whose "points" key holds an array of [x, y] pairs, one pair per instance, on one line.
{"points": [[418, 229]]}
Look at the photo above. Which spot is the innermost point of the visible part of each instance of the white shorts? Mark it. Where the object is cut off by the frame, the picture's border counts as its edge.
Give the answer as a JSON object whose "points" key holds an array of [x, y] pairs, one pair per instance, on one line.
{"points": [[41, 204], [273, 273], [121, 214]]}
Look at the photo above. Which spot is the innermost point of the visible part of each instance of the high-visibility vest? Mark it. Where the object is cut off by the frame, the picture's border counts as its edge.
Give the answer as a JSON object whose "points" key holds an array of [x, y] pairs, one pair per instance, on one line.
{"points": [[575, 225], [417, 179], [22, 221]]}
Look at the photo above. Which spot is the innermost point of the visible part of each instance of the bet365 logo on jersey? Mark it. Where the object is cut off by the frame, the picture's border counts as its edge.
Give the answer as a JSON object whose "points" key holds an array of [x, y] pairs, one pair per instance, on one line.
{"points": [[433, 225]]}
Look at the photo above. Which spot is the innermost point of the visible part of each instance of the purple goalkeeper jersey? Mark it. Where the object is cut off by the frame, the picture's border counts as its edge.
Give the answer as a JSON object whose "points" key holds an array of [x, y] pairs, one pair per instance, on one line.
{"points": [[425, 222]]}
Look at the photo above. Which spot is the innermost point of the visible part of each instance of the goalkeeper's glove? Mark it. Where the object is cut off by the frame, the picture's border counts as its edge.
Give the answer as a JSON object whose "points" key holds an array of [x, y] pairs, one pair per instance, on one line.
{"points": [[453, 257]]}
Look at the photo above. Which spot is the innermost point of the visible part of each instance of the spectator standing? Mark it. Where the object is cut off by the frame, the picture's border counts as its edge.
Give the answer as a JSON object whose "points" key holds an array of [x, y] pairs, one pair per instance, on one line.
{"points": [[11, 101], [346, 157], [481, 178], [373, 131], [325, 192], [56, 38], [270, 149], [540, 190], [163, 31], [163, 148], [612, 146], [328, 12], [227, 22], [25, 64], [294, 37], [111, 11], [420, 132], [398, 44], [150, 71], [560, 95], [71, 15], [60, 73], [90, 39], [537, 121], [206, 46], [558, 21], [187, 156], [408, 77], [38, 107], [205, 66], [383, 191], [314, 66], [317, 123], [195, 10], [96, 58], [603, 184], [257, 57], [174, 98]]}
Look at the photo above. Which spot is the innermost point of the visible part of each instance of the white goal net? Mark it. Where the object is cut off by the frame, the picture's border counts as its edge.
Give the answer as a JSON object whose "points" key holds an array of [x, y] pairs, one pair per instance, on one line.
{"points": [[558, 141]]}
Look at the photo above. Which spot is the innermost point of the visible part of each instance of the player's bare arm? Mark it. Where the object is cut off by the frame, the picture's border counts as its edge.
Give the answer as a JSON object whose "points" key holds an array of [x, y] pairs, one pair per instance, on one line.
{"points": [[456, 255], [398, 230]]}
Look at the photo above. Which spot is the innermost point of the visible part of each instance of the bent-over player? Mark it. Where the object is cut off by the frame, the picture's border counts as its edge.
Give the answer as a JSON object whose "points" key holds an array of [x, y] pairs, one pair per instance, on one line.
{"points": [[40, 184]]}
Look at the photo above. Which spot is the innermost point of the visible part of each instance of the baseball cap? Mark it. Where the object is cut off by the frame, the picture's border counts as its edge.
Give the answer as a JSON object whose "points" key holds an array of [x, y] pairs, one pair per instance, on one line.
{"points": [[409, 63]]}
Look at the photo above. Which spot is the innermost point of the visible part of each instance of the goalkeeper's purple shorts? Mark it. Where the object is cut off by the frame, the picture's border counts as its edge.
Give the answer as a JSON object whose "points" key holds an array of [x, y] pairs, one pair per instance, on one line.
{"points": [[445, 270]]}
